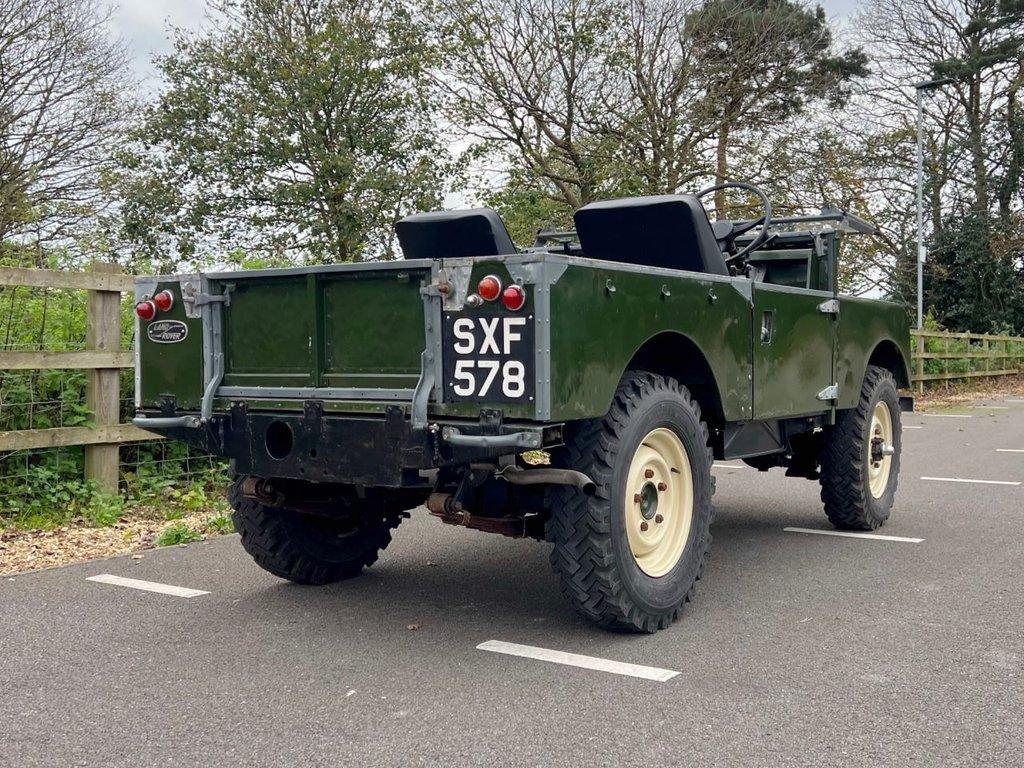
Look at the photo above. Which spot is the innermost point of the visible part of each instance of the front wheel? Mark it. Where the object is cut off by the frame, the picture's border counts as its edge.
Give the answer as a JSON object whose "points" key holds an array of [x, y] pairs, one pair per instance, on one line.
{"points": [[629, 556], [860, 459]]}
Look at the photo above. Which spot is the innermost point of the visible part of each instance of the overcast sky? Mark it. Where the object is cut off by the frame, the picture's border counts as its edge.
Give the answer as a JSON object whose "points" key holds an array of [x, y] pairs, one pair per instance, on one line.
{"points": [[145, 26]]}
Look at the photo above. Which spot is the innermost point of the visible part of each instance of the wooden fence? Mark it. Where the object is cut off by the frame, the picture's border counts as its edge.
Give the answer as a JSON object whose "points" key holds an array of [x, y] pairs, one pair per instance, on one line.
{"points": [[975, 354], [102, 357]]}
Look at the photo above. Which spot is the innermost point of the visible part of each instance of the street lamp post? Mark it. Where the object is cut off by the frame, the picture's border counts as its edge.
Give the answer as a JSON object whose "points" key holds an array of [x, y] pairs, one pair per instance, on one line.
{"points": [[920, 88]]}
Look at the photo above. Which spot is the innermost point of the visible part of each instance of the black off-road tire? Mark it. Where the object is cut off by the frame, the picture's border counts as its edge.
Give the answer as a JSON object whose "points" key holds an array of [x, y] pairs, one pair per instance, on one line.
{"points": [[304, 548], [845, 489], [591, 553]]}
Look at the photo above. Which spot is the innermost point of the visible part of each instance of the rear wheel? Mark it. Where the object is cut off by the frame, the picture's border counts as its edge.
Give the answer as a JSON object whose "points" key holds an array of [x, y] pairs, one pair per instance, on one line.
{"points": [[860, 460], [310, 548], [629, 557]]}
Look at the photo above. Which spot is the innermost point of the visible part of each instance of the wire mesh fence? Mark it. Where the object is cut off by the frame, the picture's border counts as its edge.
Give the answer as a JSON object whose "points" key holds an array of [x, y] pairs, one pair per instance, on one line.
{"points": [[34, 319]]}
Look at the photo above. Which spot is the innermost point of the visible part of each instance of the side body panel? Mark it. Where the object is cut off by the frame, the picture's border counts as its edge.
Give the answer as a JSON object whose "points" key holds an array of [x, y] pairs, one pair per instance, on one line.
{"points": [[601, 314], [793, 349], [862, 325]]}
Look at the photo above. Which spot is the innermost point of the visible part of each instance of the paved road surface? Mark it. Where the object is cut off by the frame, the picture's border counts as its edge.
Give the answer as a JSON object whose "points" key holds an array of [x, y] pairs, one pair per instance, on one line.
{"points": [[800, 649]]}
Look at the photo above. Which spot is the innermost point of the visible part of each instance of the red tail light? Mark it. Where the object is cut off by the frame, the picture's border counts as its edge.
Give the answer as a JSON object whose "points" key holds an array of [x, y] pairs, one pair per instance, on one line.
{"points": [[164, 300], [489, 288], [146, 310], [513, 297]]}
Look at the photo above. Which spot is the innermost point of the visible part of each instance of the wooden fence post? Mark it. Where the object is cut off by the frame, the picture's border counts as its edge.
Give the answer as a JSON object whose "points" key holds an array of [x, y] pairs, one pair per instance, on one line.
{"points": [[103, 386], [920, 364]]}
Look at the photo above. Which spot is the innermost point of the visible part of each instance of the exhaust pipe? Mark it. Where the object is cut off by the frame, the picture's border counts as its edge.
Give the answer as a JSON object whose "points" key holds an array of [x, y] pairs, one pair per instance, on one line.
{"points": [[547, 476]]}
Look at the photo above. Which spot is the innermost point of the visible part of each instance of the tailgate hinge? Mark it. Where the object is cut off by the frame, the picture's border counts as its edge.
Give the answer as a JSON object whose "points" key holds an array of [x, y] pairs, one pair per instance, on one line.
{"points": [[830, 307], [831, 392]]}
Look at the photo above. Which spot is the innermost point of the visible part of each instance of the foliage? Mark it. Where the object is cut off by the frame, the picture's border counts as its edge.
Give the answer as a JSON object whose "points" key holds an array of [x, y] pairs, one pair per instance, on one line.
{"points": [[976, 276], [299, 130], [178, 533]]}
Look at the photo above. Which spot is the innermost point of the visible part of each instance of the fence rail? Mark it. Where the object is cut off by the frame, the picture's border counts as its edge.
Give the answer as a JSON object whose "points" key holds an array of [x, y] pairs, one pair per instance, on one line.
{"points": [[102, 358], [962, 352]]}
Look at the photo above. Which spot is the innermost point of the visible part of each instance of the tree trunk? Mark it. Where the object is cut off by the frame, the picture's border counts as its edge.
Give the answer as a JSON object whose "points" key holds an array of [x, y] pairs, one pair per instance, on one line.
{"points": [[977, 148], [721, 167]]}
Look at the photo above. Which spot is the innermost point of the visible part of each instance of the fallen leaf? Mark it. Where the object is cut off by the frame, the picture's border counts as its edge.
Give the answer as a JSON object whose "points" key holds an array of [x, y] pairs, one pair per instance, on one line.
{"points": [[412, 627]]}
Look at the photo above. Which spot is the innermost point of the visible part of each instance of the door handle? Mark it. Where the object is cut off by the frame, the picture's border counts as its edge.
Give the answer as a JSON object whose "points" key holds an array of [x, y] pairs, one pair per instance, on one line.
{"points": [[767, 326]]}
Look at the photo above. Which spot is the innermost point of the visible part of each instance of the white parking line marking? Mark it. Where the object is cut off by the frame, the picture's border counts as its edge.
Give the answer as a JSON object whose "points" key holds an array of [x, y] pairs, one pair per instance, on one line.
{"points": [[991, 407], [1009, 450], [576, 660], [852, 535], [949, 415], [967, 480], [147, 586], [1013, 400], [912, 426], [731, 466]]}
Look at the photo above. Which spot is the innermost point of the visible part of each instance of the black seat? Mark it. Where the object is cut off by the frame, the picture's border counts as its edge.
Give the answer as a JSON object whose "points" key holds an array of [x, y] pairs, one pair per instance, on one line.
{"points": [[669, 231], [452, 234]]}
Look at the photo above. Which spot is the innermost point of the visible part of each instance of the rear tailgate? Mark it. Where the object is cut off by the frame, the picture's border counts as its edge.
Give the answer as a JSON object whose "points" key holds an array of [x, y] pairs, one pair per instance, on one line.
{"points": [[353, 330], [330, 332], [358, 337]]}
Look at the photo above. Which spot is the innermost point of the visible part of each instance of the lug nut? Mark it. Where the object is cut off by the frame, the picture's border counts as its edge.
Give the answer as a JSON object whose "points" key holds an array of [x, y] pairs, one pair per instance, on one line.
{"points": [[643, 526], [662, 487], [659, 519], [648, 473], [636, 498]]}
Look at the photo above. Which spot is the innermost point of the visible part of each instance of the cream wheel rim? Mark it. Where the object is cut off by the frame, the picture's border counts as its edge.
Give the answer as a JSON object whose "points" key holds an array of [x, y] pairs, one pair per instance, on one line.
{"points": [[880, 449], [659, 502]]}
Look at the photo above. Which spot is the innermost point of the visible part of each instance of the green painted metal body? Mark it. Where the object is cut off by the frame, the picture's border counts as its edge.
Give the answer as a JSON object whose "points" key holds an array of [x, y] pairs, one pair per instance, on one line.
{"points": [[353, 338]]}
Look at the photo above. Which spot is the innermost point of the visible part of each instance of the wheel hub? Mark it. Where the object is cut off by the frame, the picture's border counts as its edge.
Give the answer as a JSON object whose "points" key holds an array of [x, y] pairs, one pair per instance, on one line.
{"points": [[880, 449], [649, 501], [659, 502]]}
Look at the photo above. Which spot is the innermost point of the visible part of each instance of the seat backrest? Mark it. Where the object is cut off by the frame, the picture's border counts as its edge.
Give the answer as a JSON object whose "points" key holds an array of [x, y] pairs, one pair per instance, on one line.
{"points": [[452, 234], [670, 231]]}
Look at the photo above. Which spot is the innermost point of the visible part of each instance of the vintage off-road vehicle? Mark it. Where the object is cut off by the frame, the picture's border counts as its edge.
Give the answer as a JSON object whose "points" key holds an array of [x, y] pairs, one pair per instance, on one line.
{"points": [[633, 351]]}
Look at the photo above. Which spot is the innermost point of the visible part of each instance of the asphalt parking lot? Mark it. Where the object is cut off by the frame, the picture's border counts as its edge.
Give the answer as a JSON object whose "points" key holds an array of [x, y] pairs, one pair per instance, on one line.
{"points": [[801, 649]]}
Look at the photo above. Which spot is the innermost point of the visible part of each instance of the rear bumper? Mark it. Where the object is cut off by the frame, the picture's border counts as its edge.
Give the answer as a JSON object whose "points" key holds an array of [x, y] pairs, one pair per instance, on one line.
{"points": [[318, 447]]}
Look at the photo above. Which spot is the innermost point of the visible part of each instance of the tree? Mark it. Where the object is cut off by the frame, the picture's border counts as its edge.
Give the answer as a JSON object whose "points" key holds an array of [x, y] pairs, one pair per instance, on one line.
{"points": [[61, 114], [976, 279], [763, 61], [526, 81], [299, 129]]}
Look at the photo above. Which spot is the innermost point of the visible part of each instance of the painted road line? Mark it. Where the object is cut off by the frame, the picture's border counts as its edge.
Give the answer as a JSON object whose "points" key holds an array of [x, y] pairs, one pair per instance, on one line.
{"points": [[912, 426], [147, 586], [731, 466], [576, 660], [968, 480], [991, 407], [949, 415], [851, 535], [1009, 450], [1013, 400]]}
